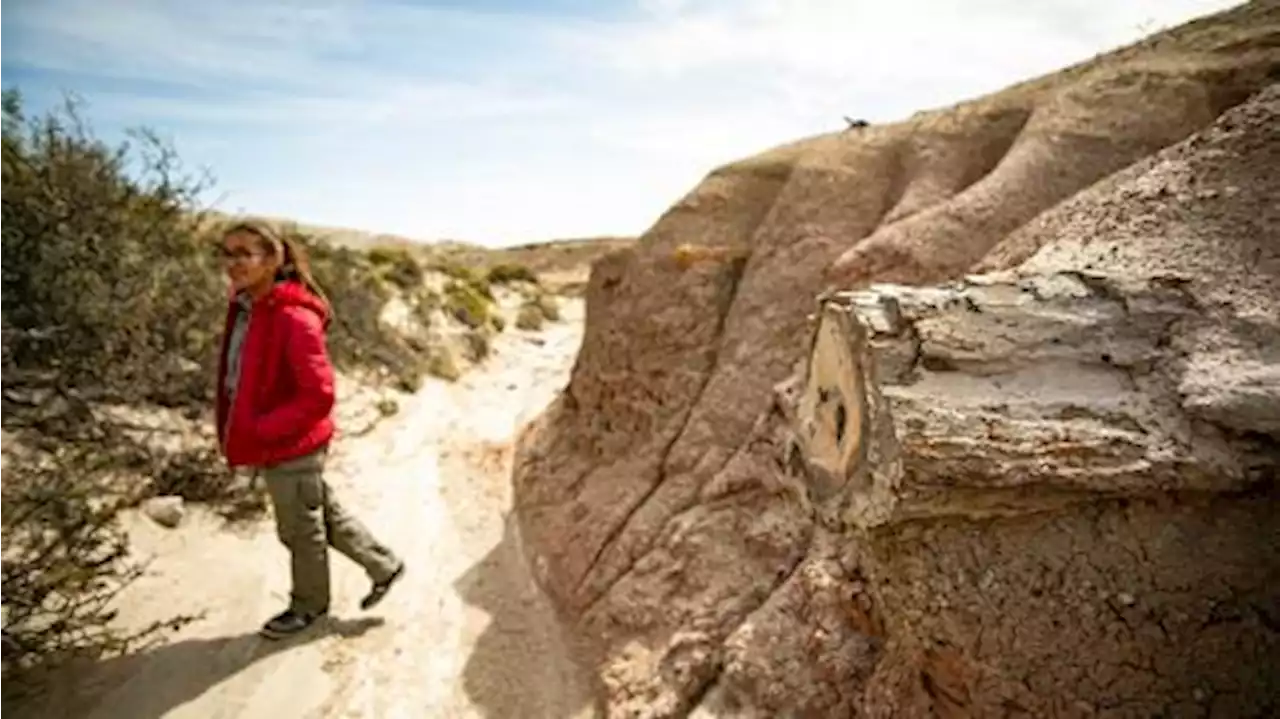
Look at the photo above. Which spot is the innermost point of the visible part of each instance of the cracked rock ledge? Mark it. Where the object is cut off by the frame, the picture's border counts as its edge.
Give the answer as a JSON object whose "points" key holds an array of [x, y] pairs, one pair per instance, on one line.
{"points": [[1029, 516]]}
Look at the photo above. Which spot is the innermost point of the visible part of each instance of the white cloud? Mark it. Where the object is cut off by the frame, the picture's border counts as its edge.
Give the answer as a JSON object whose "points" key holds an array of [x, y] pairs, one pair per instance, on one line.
{"points": [[836, 37], [515, 126], [809, 48]]}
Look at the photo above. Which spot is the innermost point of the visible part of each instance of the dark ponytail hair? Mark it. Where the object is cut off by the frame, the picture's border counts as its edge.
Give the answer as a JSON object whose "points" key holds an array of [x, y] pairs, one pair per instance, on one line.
{"points": [[294, 264]]}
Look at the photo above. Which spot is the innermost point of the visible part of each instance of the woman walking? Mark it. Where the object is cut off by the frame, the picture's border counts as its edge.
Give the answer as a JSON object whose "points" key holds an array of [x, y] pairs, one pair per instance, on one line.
{"points": [[274, 413]]}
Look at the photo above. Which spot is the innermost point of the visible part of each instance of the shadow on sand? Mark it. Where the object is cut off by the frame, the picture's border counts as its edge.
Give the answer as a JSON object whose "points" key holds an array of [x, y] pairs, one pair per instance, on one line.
{"points": [[521, 666], [166, 677]]}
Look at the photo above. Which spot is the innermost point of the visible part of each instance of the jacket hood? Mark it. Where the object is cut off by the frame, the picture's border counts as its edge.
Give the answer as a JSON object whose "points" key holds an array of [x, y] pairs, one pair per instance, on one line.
{"points": [[291, 293]]}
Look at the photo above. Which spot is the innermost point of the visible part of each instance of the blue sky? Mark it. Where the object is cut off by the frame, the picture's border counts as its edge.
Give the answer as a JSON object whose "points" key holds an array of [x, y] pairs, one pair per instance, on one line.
{"points": [[503, 122]]}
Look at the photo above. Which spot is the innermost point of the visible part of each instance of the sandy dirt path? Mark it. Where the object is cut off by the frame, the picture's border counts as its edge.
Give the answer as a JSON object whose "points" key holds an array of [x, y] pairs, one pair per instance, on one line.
{"points": [[465, 634]]}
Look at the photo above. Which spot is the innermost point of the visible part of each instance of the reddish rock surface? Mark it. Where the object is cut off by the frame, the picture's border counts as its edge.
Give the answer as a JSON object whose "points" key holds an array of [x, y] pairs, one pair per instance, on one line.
{"points": [[680, 503]]}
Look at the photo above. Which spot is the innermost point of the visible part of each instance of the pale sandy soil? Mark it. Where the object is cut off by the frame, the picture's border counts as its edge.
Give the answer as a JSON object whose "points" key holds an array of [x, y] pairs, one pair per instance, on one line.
{"points": [[465, 634]]}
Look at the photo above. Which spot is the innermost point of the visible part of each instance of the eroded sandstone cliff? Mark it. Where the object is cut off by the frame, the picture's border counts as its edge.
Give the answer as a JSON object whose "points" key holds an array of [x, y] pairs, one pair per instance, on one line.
{"points": [[1046, 489]]}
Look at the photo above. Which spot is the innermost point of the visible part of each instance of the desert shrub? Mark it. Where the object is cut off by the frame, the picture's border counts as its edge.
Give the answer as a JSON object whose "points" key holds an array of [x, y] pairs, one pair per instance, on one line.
{"points": [[468, 297], [537, 309], [547, 304], [408, 383], [478, 343], [441, 363], [103, 260], [529, 317], [65, 560], [507, 273], [398, 266], [466, 304], [465, 275], [113, 295], [424, 302], [196, 475], [65, 555]]}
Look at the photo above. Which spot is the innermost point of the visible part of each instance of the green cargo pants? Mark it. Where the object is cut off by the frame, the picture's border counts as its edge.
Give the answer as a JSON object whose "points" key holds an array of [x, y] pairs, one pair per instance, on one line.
{"points": [[309, 520]]}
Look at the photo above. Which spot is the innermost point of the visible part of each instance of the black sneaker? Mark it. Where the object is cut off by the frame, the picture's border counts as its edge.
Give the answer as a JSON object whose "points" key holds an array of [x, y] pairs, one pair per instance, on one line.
{"points": [[380, 589], [288, 623]]}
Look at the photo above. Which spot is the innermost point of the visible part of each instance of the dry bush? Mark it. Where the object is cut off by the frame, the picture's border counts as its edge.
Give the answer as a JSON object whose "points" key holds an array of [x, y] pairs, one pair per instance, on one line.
{"points": [[65, 556], [547, 304], [103, 256], [465, 275], [477, 343], [398, 266], [468, 296], [529, 317], [536, 310], [509, 273], [441, 363], [425, 302], [65, 560], [467, 304]]}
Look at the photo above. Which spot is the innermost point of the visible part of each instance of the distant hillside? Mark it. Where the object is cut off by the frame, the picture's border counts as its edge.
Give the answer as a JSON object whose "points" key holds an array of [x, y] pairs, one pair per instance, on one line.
{"points": [[562, 264]]}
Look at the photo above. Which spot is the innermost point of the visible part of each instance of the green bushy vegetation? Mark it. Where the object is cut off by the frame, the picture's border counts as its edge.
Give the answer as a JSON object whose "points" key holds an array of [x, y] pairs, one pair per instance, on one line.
{"points": [[112, 296], [536, 310], [467, 304], [398, 266], [509, 272]]}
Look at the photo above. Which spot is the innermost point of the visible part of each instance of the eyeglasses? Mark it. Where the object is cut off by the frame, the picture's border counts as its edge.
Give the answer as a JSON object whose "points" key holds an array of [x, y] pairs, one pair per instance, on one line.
{"points": [[229, 256]]}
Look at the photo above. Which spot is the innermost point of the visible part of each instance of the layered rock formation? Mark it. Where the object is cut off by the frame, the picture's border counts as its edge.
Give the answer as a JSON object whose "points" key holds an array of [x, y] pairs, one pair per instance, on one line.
{"points": [[1043, 490]]}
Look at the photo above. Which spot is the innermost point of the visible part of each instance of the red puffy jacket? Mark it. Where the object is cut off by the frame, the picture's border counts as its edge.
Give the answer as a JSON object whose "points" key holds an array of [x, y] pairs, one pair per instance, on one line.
{"points": [[285, 394]]}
